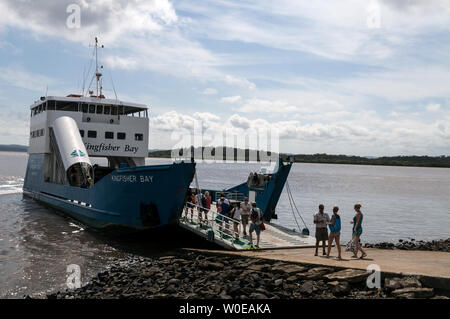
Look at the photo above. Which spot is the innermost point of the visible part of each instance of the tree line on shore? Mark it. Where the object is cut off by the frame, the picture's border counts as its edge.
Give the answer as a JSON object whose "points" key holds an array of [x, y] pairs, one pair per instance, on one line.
{"points": [[245, 155]]}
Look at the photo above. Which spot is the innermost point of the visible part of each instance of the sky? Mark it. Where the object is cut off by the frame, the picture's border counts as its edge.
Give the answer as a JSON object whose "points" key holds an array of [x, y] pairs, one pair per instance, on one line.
{"points": [[355, 77]]}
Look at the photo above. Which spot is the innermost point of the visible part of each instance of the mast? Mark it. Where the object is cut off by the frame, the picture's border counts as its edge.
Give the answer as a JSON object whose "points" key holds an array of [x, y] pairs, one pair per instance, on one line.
{"points": [[98, 75]]}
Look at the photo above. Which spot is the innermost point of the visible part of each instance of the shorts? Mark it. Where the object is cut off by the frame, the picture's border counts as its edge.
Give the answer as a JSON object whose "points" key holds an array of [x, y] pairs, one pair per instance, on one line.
{"points": [[321, 234], [334, 234], [357, 233], [244, 219], [256, 228]]}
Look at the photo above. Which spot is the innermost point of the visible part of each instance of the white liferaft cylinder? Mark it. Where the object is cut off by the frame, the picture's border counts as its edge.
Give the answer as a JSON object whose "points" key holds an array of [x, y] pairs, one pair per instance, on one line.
{"points": [[70, 144]]}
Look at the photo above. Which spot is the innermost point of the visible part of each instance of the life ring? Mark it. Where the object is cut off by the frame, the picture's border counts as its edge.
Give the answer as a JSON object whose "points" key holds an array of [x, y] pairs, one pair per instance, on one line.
{"points": [[111, 121], [88, 119]]}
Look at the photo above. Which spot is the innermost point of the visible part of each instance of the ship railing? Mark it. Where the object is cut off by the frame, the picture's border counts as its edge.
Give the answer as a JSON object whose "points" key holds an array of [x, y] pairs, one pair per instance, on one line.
{"points": [[222, 224]]}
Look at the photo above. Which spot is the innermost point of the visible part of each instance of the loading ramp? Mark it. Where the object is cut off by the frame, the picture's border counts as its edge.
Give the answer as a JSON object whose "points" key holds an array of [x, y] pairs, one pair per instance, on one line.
{"points": [[220, 230]]}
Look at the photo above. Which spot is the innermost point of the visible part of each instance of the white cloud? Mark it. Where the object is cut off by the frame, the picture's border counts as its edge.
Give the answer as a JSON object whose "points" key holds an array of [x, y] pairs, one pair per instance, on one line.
{"points": [[433, 107], [374, 135], [255, 105], [232, 80], [210, 91], [231, 99]]}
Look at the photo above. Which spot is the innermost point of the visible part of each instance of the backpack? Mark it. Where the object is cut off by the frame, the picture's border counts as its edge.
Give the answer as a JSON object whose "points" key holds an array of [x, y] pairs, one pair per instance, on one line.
{"points": [[254, 216], [203, 201]]}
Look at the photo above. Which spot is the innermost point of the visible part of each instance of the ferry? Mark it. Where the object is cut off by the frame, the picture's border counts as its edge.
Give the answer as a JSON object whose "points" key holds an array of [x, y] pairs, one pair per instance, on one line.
{"points": [[66, 133]]}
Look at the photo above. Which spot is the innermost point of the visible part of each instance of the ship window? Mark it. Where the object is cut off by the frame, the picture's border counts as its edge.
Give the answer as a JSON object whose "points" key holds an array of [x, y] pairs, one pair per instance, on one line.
{"points": [[50, 105], [42, 132], [44, 106], [67, 106], [113, 110], [107, 109], [121, 136], [99, 109], [84, 108], [91, 108], [139, 137], [109, 135], [92, 134], [82, 133]]}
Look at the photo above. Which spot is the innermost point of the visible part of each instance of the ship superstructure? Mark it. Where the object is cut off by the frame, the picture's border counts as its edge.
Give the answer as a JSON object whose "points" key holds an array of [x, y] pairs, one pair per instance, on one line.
{"points": [[66, 132]]}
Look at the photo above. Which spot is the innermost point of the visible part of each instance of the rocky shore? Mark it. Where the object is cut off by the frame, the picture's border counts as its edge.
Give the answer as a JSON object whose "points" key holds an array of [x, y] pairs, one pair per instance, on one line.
{"points": [[186, 274], [434, 245]]}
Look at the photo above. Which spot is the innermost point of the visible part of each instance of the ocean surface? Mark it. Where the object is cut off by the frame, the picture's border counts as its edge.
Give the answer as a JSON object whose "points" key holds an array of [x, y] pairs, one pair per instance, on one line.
{"points": [[37, 244]]}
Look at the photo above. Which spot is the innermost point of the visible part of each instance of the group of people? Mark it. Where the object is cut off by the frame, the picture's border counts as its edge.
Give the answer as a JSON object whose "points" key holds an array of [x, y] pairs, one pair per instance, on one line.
{"points": [[322, 221], [228, 213]]}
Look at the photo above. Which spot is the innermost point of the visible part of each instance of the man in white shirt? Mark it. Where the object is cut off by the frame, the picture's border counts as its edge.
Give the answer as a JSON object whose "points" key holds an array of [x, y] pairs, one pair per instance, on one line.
{"points": [[321, 219]]}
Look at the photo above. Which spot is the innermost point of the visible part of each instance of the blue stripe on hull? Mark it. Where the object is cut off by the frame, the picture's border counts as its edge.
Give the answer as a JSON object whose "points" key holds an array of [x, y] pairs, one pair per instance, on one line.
{"points": [[138, 197]]}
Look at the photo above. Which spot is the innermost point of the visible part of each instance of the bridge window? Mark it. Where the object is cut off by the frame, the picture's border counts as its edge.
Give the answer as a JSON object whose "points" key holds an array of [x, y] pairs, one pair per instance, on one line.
{"points": [[92, 134], [107, 109], [82, 133], [109, 135], [139, 137], [51, 105], [84, 108], [99, 109], [91, 108], [113, 110], [121, 136], [67, 106]]}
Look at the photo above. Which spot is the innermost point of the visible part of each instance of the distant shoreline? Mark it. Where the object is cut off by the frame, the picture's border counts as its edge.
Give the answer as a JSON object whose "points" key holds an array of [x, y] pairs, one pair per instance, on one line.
{"points": [[403, 161]]}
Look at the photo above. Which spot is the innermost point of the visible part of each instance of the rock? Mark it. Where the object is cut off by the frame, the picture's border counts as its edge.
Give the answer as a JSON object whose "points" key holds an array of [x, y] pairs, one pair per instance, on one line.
{"points": [[257, 295], [307, 287], [314, 273], [397, 283], [278, 282], [288, 269], [262, 267], [342, 289], [174, 281], [332, 284], [208, 265], [291, 279], [350, 275], [416, 292]]}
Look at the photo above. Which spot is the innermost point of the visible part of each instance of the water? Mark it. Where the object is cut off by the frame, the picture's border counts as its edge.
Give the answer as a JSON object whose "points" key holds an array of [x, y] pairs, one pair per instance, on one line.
{"points": [[36, 244]]}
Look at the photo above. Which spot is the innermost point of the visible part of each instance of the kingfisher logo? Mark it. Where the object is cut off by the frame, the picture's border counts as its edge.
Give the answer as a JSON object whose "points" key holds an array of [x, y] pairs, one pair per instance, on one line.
{"points": [[78, 153]]}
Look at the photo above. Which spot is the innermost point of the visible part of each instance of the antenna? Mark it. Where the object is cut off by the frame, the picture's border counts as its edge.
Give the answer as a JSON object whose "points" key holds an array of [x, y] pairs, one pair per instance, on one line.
{"points": [[114, 87], [46, 91]]}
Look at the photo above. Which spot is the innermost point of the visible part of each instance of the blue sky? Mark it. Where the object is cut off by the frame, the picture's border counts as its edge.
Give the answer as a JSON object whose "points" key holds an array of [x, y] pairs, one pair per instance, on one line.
{"points": [[342, 77]]}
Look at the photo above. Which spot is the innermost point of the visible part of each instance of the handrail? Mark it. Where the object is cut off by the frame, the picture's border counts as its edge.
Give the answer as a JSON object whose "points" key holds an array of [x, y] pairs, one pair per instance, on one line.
{"points": [[228, 221]]}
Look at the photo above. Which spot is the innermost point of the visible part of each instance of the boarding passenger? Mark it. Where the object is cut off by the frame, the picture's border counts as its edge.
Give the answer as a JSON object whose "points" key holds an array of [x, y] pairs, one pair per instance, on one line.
{"points": [[246, 207], [321, 219], [236, 214], [335, 232], [357, 231], [187, 202], [224, 213], [256, 220], [199, 201], [207, 204]]}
